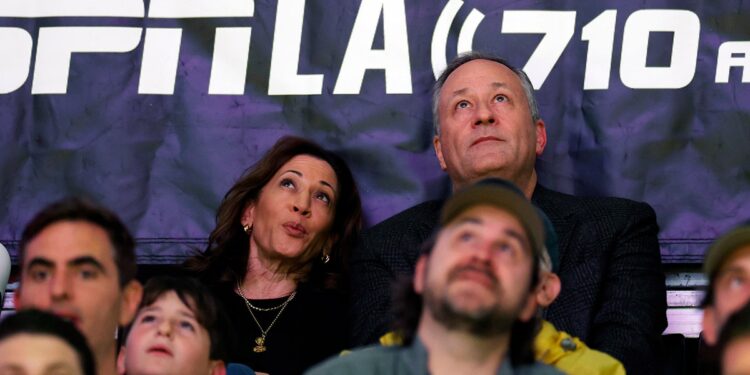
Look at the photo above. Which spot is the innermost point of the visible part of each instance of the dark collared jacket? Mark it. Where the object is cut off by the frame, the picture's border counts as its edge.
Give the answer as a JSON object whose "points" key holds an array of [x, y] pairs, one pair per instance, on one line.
{"points": [[613, 295]]}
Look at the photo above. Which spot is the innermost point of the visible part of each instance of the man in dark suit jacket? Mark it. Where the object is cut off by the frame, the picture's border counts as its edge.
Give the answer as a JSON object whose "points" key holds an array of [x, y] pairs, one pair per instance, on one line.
{"points": [[487, 125]]}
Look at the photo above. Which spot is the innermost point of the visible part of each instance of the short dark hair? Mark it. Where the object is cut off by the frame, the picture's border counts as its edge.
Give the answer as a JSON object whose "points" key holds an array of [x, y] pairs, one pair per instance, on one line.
{"points": [[81, 209], [528, 87], [36, 322], [199, 299], [226, 256]]}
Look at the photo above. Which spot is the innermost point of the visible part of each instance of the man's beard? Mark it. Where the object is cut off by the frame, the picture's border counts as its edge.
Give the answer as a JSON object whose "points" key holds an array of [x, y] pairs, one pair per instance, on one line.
{"points": [[489, 321], [486, 322]]}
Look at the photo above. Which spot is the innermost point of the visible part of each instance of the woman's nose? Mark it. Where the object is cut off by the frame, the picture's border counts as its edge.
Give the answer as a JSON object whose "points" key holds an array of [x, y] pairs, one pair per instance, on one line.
{"points": [[302, 204]]}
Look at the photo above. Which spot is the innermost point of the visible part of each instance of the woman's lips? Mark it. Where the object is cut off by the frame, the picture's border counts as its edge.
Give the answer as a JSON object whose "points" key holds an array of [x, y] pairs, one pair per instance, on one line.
{"points": [[295, 229]]}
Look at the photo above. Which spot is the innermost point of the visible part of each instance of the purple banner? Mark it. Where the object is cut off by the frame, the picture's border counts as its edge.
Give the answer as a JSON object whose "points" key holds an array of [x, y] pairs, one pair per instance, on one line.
{"points": [[155, 108]]}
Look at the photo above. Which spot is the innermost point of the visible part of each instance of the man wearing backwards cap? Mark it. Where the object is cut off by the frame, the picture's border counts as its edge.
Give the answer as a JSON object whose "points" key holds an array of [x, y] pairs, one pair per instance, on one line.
{"points": [[551, 346], [477, 285], [727, 265]]}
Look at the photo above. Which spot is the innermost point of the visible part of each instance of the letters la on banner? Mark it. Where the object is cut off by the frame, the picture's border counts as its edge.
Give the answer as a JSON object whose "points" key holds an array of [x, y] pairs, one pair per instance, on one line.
{"points": [[155, 108]]}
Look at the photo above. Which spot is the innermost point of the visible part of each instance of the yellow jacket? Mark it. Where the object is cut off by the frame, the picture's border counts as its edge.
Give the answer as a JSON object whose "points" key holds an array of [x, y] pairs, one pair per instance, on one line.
{"points": [[571, 355]]}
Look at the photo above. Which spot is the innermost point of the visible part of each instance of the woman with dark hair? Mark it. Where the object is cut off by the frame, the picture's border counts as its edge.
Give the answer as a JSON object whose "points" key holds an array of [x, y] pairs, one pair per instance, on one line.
{"points": [[277, 257]]}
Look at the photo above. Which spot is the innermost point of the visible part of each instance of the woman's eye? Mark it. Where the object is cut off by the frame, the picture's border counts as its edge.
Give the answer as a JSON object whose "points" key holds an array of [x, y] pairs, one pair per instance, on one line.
{"points": [[148, 318], [287, 183], [462, 104], [324, 198], [501, 98]]}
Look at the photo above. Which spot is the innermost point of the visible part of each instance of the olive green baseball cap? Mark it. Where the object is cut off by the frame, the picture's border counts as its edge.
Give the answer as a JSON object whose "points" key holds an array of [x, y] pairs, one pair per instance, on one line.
{"points": [[501, 194]]}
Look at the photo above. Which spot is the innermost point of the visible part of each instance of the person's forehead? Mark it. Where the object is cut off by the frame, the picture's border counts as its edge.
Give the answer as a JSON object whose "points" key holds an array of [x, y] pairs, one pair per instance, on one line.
{"points": [[485, 71], [310, 167], [69, 239], [739, 260], [494, 221], [170, 302], [170, 306], [38, 347], [488, 216]]}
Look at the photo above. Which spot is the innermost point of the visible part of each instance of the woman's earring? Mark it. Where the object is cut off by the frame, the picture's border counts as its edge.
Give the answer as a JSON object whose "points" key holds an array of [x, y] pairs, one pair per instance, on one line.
{"points": [[247, 228], [325, 258]]}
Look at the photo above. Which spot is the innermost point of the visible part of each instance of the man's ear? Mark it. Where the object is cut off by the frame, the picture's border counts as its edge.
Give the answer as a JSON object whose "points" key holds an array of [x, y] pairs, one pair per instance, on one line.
{"points": [[541, 136], [439, 152], [121, 361], [16, 297], [131, 298], [548, 290], [419, 272], [218, 367], [710, 327]]}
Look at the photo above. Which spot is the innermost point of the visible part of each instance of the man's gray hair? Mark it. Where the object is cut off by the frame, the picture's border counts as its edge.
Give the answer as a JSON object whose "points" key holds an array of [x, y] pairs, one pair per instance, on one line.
{"points": [[463, 58]]}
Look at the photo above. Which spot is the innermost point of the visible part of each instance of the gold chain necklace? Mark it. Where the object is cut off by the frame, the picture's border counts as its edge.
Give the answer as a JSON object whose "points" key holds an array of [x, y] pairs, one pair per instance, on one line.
{"points": [[260, 341]]}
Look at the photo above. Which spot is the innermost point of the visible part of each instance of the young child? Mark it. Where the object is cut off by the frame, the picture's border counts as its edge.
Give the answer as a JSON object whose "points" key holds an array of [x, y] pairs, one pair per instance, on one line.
{"points": [[37, 342], [178, 330]]}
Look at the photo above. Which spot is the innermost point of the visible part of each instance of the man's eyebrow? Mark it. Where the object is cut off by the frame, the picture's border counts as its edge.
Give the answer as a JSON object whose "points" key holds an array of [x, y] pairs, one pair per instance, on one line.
{"points": [[87, 261], [498, 85], [495, 85], [469, 220], [40, 262], [510, 232], [459, 92]]}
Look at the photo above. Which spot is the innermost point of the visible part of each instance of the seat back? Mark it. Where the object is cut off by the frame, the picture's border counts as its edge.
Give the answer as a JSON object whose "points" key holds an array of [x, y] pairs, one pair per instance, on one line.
{"points": [[4, 272]]}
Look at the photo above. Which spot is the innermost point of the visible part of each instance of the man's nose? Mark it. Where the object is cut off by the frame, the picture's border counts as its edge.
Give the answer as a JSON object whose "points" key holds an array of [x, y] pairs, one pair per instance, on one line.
{"points": [[483, 251], [484, 115], [60, 287]]}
